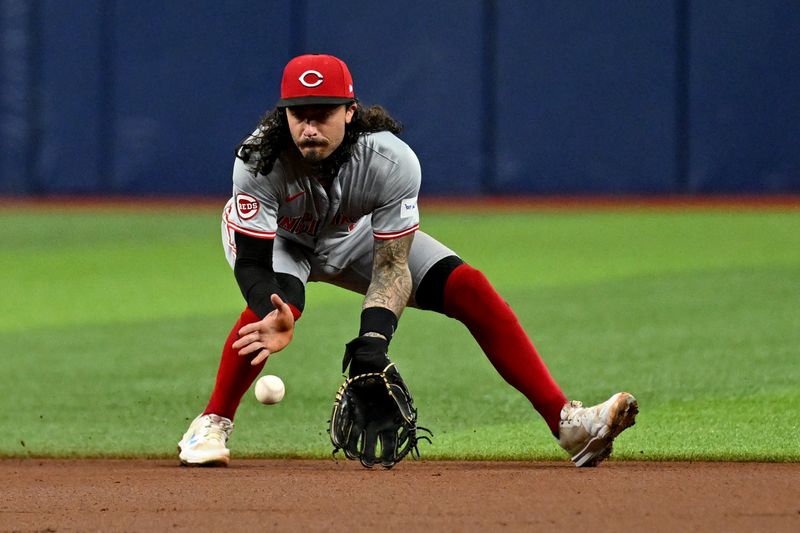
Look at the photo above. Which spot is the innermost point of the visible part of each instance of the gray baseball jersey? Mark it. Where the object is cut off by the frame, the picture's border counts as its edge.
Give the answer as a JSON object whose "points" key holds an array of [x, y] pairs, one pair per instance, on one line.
{"points": [[327, 235]]}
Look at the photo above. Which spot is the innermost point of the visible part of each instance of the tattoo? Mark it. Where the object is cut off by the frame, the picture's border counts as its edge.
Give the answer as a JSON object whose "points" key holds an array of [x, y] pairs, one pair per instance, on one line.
{"points": [[390, 286]]}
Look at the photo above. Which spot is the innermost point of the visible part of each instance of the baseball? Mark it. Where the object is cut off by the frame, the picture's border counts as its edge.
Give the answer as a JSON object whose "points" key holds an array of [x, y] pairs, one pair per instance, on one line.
{"points": [[270, 389]]}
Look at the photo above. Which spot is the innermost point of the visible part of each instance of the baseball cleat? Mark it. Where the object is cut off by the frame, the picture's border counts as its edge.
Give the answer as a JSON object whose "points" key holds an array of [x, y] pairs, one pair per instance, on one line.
{"points": [[203, 444], [588, 433]]}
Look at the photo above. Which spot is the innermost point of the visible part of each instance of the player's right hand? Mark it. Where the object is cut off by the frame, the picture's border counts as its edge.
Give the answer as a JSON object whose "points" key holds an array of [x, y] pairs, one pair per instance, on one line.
{"points": [[269, 335]]}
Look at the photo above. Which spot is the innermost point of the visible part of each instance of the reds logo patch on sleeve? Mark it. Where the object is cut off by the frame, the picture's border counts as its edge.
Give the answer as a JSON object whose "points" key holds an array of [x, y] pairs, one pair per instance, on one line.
{"points": [[246, 206]]}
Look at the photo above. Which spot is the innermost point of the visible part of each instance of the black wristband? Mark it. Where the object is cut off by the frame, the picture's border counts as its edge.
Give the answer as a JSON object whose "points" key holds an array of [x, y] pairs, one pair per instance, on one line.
{"points": [[378, 320]]}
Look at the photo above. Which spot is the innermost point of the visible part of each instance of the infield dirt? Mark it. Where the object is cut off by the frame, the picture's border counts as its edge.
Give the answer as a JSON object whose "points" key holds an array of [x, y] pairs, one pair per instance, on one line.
{"points": [[304, 495]]}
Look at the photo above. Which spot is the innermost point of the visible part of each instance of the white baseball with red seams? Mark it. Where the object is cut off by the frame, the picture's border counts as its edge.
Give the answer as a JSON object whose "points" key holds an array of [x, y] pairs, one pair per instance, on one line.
{"points": [[270, 389]]}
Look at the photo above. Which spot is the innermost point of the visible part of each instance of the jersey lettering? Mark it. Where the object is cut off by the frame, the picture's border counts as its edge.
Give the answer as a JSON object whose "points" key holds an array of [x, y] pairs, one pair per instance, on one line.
{"points": [[341, 220], [297, 225]]}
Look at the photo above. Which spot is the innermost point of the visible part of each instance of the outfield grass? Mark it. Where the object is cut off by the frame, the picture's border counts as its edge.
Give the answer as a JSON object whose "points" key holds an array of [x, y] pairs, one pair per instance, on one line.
{"points": [[111, 324]]}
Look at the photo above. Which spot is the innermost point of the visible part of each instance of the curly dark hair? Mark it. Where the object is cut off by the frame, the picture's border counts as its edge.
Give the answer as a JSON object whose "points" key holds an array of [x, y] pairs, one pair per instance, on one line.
{"points": [[273, 137]]}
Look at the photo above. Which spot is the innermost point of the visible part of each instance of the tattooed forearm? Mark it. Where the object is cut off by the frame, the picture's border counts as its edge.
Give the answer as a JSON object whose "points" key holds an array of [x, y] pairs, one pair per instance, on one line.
{"points": [[391, 279]]}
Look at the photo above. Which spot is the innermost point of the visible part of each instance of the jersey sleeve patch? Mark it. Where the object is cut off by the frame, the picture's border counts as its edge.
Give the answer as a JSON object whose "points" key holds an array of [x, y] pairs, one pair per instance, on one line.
{"points": [[246, 206], [232, 226], [408, 208]]}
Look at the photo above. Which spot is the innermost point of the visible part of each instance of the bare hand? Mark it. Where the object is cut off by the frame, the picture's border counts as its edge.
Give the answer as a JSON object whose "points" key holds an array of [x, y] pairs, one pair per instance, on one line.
{"points": [[269, 335]]}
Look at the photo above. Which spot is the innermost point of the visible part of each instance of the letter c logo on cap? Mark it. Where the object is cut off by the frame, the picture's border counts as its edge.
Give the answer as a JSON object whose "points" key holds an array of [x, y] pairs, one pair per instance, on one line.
{"points": [[311, 74]]}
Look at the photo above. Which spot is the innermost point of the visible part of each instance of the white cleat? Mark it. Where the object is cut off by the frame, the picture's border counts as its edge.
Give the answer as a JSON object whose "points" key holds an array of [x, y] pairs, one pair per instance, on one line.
{"points": [[588, 433], [203, 444]]}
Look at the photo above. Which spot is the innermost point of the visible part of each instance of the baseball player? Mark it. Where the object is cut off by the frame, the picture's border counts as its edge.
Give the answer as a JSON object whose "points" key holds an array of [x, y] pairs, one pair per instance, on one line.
{"points": [[324, 190]]}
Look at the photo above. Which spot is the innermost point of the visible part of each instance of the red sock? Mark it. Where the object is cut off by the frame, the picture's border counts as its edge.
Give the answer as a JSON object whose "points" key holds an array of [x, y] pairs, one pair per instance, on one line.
{"points": [[471, 299], [235, 374]]}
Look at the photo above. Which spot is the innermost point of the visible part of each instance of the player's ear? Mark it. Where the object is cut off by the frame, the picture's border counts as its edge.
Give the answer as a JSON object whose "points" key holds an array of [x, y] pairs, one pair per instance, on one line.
{"points": [[350, 113]]}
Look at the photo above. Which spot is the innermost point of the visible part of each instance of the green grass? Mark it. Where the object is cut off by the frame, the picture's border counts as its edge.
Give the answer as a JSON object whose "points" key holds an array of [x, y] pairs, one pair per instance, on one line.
{"points": [[111, 325]]}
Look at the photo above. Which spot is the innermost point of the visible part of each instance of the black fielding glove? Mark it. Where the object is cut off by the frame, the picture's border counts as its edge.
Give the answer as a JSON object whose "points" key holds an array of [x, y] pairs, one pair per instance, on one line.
{"points": [[373, 407]]}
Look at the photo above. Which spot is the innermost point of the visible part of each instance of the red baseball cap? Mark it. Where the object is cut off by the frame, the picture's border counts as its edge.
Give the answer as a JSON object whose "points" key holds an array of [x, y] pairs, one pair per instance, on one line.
{"points": [[316, 79]]}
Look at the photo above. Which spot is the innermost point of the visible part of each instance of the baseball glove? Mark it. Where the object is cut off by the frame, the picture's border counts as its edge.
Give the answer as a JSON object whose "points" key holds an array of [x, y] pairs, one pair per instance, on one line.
{"points": [[374, 419]]}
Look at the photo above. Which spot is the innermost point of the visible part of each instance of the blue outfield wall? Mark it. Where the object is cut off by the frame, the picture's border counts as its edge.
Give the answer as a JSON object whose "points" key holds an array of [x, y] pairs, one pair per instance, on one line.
{"points": [[745, 97], [497, 96], [585, 97]]}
